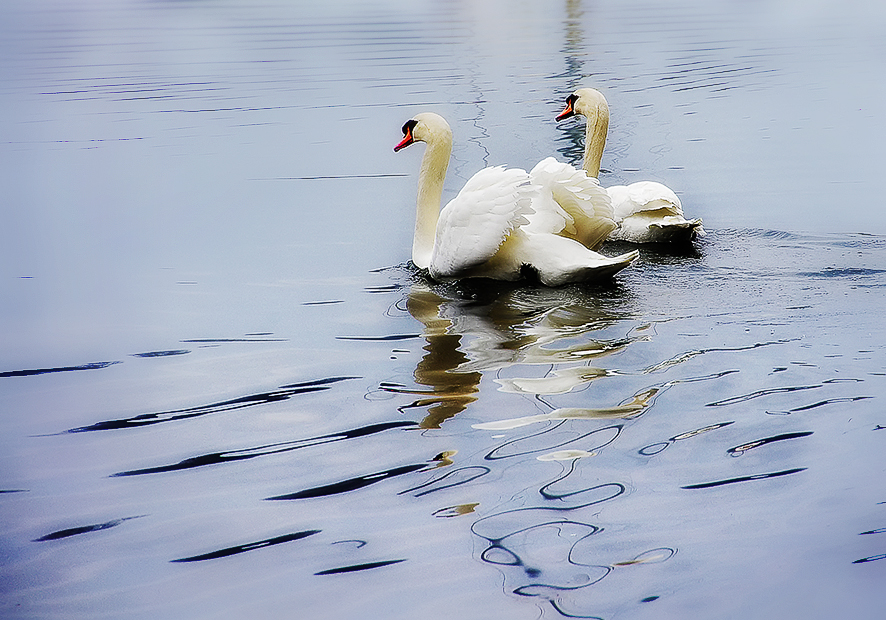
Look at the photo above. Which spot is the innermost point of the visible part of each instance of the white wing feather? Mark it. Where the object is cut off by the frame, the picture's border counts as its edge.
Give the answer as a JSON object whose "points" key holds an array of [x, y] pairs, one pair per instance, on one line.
{"points": [[473, 226], [570, 204]]}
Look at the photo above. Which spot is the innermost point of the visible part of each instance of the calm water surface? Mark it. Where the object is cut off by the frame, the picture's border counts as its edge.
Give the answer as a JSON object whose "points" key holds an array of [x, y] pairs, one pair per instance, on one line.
{"points": [[224, 393]]}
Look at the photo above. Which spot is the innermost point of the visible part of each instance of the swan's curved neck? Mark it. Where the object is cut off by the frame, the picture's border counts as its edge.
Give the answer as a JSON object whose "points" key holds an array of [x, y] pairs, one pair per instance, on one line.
{"points": [[595, 137], [430, 189]]}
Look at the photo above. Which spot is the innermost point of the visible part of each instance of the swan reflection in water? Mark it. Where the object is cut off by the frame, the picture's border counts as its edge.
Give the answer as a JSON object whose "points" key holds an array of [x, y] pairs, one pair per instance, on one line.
{"points": [[476, 326], [541, 542]]}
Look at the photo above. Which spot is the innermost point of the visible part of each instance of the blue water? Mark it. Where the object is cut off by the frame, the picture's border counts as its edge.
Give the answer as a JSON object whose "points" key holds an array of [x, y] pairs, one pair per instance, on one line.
{"points": [[224, 393]]}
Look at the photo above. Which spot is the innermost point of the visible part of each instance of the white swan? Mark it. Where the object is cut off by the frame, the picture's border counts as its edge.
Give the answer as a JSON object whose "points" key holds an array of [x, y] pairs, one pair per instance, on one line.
{"points": [[505, 221], [646, 211]]}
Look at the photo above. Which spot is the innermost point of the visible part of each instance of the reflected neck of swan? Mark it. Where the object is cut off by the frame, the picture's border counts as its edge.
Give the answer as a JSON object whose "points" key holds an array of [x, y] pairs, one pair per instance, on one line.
{"points": [[595, 137], [430, 190]]}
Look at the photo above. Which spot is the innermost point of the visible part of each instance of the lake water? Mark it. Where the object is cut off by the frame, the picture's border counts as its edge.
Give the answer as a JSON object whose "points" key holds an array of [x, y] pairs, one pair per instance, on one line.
{"points": [[225, 394]]}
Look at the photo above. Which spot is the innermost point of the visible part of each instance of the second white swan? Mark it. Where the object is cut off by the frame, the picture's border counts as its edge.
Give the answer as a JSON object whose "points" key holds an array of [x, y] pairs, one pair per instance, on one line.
{"points": [[646, 211], [507, 222]]}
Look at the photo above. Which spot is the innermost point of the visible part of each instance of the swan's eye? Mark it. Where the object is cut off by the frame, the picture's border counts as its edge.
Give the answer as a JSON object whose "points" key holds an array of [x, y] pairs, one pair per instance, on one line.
{"points": [[408, 137], [569, 110], [409, 126]]}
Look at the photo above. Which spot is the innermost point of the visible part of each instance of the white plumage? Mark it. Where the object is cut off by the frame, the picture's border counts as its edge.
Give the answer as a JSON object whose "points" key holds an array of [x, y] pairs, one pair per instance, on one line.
{"points": [[472, 227], [649, 212], [646, 211], [505, 221]]}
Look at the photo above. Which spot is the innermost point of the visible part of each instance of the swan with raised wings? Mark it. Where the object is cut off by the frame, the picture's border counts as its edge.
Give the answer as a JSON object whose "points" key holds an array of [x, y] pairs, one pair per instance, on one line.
{"points": [[645, 211], [507, 221]]}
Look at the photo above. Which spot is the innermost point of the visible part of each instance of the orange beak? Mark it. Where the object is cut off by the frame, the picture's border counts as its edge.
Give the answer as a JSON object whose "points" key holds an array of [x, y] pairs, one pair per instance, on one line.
{"points": [[406, 141], [567, 112]]}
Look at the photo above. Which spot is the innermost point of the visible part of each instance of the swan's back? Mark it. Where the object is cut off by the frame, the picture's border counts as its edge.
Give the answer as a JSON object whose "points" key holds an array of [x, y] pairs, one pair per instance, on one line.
{"points": [[649, 212], [630, 199]]}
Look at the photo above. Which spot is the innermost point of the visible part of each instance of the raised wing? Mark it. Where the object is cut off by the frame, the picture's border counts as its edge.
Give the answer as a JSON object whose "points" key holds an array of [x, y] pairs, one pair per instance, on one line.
{"points": [[473, 226], [571, 204]]}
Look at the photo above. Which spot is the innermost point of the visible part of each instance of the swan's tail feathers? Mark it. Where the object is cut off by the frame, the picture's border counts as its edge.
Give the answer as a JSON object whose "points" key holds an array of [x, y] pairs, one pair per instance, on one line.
{"points": [[559, 260], [605, 267], [474, 225], [697, 228], [584, 205]]}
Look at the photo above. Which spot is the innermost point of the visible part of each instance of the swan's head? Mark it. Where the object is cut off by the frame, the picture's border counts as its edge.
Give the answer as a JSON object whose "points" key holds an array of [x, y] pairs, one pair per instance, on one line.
{"points": [[425, 127], [584, 101]]}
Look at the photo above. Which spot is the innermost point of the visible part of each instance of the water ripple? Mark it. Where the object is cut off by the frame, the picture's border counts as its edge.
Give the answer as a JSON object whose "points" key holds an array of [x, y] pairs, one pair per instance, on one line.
{"points": [[42, 371], [84, 529], [453, 478], [554, 437], [358, 567], [759, 393], [162, 353], [283, 393], [739, 450], [656, 448], [717, 483], [821, 403], [228, 456], [228, 551], [351, 484]]}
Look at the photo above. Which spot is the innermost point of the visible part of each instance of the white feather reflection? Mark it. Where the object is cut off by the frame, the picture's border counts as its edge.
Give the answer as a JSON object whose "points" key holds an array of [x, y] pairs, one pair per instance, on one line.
{"points": [[631, 409], [472, 328]]}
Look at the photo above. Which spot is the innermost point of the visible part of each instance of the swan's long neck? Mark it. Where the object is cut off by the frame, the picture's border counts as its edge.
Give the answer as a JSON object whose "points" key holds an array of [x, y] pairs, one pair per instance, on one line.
{"points": [[430, 189], [595, 137]]}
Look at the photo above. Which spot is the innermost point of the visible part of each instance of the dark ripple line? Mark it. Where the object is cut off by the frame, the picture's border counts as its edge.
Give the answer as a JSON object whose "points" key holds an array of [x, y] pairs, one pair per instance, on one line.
{"points": [[146, 419], [83, 529], [545, 491], [211, 340], [481, 471], [739, 450], [746, 397], [557, 605], [353, 541], [699, 431], [707, 485], [351, 484], [222, 553], [527, 590], [43, 371], [386, 288], [525, 514], [882, 530], [283, 393], [830, 401], [390, 337], [496, 543], [692, 353], [358, 567], [872, 558], [325, 381], [228, 456], [161, 353], [656, 448], [149, 86]]}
